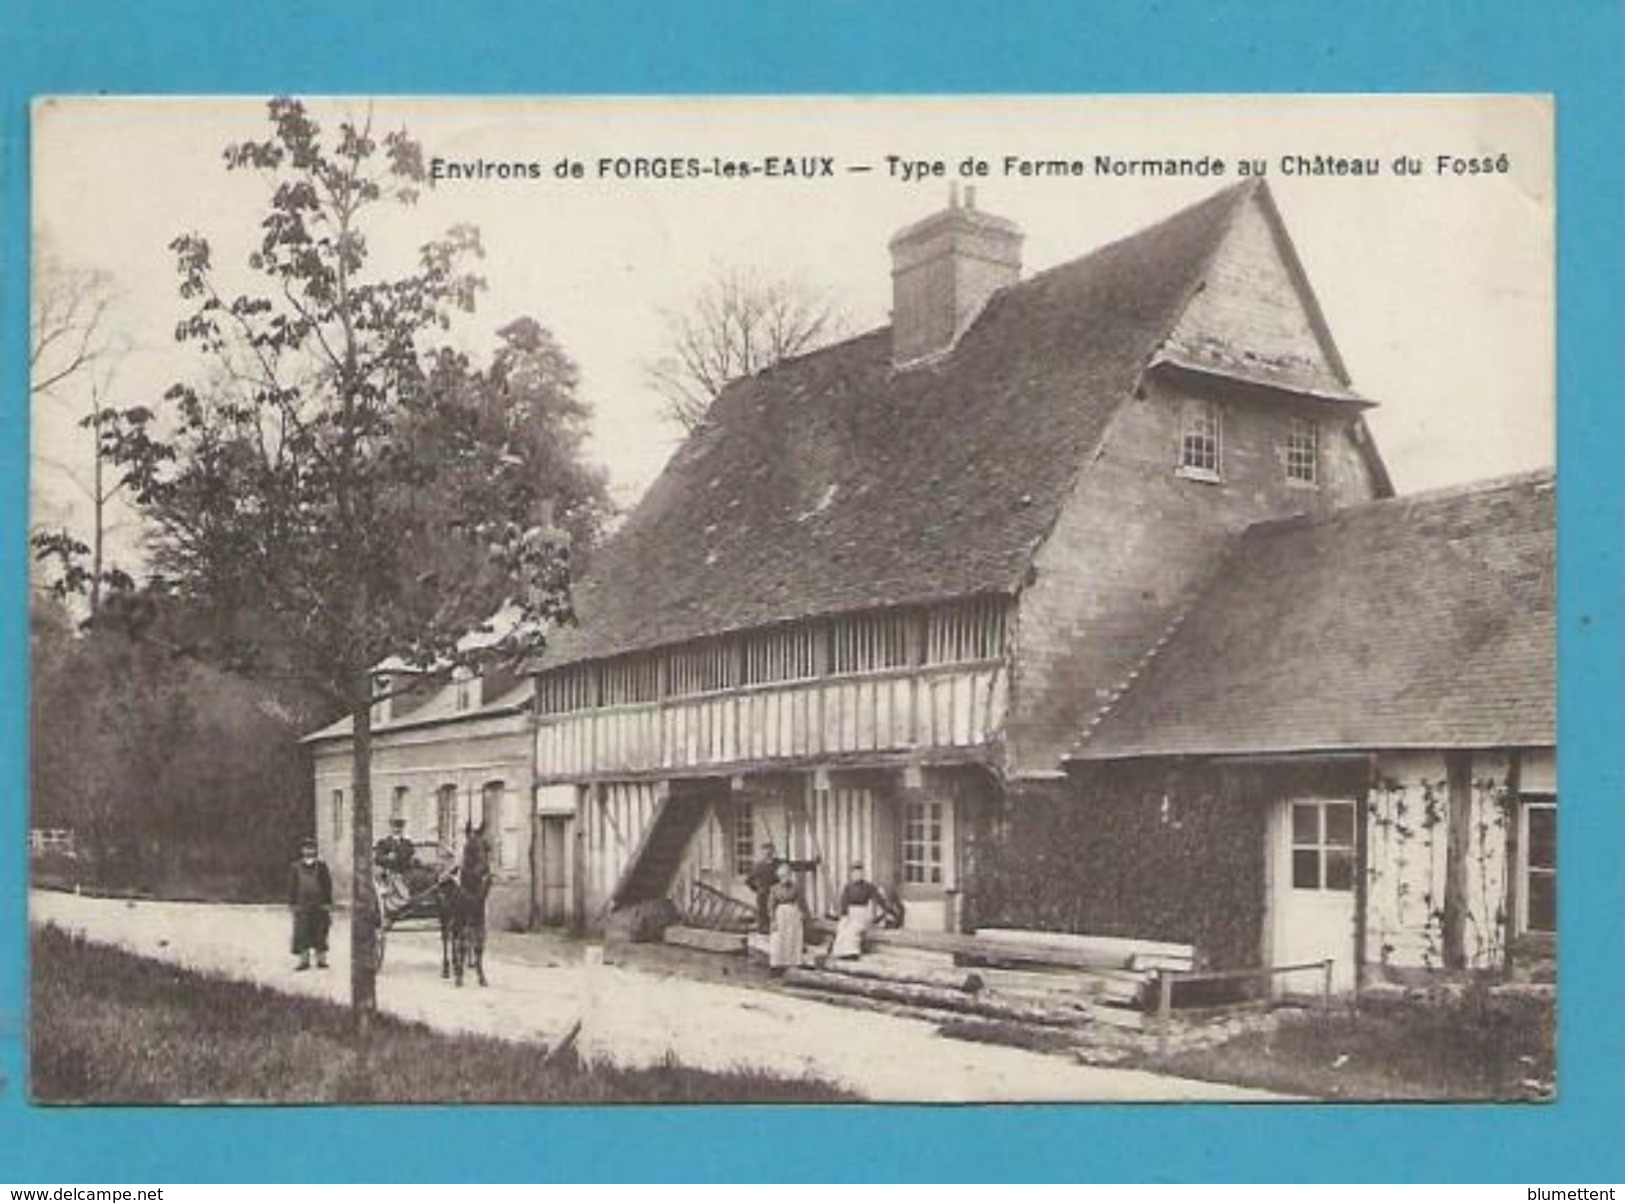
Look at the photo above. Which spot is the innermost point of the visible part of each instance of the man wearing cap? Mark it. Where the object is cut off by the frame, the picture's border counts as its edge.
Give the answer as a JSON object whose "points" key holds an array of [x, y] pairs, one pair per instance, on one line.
{"points": [[310, 895], [765, 873]]}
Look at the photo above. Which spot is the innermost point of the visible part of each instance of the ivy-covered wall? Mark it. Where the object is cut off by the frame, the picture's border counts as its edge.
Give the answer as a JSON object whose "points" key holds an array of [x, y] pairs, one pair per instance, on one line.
{"points": [[1157, 852], [1407, 816]]}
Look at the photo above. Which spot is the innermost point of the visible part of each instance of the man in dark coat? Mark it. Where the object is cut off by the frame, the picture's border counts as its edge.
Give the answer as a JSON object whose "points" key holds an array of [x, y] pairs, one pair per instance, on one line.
{"points": [[395, 852], [762, 876], [310, 896]]}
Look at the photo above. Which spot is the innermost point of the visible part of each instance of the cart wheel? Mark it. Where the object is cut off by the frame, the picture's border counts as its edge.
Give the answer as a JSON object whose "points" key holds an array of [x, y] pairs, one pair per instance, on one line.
{"points": [[378, 948]]}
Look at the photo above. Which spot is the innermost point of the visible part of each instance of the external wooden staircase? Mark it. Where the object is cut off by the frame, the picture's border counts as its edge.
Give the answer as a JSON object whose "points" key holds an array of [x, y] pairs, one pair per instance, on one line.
{"points": [[654, 862]]}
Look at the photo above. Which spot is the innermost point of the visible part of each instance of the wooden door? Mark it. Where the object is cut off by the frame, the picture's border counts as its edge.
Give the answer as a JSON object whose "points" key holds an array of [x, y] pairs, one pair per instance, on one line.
{"points": [[1312, 895], [925, 844], [553, 885]]}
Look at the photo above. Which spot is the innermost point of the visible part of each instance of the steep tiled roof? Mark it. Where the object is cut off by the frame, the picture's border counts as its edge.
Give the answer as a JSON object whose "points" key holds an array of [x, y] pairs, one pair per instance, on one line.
{"points": [[439, 709], [833, 482], [1422, 621]]}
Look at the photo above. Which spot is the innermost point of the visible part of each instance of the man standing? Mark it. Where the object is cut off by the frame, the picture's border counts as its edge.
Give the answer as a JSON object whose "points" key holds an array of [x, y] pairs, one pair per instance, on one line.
{"points": [[762, 876], [310, 895]]}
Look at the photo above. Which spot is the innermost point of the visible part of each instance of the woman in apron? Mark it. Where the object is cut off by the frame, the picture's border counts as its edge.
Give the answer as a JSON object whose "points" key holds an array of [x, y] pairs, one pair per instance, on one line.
{"points": [[786, 906], [857, 913]]}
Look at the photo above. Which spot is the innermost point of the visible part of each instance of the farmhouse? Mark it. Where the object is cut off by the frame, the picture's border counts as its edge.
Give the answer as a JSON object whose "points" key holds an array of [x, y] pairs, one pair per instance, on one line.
{"points": [[445, 753], [1346, 748], [1079, 600], [890, 580]]}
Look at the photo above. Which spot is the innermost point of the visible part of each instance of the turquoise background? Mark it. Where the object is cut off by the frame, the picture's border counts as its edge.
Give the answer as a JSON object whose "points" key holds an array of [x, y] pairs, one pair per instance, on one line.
{"points": [[301, 46]]}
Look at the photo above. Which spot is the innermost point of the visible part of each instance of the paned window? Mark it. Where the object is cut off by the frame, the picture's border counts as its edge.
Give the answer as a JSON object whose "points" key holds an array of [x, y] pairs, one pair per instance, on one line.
{"points": [[1539, 844], [922, 843], [1323, 845], [1200, 434], [445, 822], [744, 837], [1303, 451]]}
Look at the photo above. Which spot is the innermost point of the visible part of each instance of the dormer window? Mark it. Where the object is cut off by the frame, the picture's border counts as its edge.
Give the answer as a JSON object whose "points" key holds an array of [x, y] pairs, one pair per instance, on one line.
{"points": [[381, 683], [1200, 436], [463, 680], [1303, 451]]}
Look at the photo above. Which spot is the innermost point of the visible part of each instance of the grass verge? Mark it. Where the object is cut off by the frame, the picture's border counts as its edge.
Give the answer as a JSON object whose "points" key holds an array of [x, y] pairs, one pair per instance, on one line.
{"points": [[1475, 1046], [110, 1027]]}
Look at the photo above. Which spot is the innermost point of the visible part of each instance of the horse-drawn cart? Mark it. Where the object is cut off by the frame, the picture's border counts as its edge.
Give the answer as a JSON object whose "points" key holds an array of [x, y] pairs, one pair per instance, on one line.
{"points": [[407, 901], [449, 899]]}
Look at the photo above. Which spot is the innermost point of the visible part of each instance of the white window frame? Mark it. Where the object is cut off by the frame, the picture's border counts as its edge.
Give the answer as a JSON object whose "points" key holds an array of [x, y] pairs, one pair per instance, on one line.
{"points": [[1203, 422], [463, 678], [445, 817], [916, 849], [743, 837], [1303, 448], [1322, 845], [338, 815], [1528, 803]]}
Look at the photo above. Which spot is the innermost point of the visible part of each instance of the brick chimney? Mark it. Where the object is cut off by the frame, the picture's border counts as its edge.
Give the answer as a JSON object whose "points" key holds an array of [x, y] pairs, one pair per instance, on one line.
{"points": [[944, 270]]}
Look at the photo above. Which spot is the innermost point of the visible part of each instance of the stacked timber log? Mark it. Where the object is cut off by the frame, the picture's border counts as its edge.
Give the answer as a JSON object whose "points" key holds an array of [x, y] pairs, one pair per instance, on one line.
{"points": [[1053, 979]]}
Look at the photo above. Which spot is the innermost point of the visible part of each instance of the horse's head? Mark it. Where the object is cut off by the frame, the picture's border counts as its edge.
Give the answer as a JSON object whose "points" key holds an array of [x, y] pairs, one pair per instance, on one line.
{"points": [[475, 872]]}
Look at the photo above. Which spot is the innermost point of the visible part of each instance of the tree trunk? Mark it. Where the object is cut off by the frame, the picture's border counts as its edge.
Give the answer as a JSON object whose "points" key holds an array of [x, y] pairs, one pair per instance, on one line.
{"points": [[1458, 844], [364, 915]]}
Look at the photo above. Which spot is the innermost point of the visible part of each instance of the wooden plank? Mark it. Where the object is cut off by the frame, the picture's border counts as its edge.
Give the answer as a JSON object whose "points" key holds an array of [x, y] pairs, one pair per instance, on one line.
{"points": [[999, 951], [1126, 946], [1141, 962], [705, 939]]}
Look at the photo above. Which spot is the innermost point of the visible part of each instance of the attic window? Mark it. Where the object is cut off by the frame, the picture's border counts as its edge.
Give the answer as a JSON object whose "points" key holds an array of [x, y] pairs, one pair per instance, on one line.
{"points": [[1303, 451], [1200, 435], [463, 678]]}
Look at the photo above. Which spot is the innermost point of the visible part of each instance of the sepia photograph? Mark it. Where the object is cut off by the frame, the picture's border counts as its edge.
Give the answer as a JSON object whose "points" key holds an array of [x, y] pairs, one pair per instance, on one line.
{"points": [[820, 599]]}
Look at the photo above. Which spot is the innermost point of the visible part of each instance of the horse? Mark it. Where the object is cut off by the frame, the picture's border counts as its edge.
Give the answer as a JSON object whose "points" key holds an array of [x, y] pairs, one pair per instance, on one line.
{"points": [[460, 900]]}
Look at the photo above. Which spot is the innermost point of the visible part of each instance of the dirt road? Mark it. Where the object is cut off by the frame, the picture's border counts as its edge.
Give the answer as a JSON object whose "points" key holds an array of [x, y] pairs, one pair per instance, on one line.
{"points": [[630, 1016]]}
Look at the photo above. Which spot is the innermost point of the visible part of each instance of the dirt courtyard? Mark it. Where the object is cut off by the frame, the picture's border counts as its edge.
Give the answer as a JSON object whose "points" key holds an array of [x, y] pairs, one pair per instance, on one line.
{"points": [[539, 989]]}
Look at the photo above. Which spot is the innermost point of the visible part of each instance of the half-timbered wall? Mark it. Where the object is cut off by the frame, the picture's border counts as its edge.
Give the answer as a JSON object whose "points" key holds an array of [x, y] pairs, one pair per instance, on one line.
{"points": [[889, 681], [843, 827], [618, 813]]}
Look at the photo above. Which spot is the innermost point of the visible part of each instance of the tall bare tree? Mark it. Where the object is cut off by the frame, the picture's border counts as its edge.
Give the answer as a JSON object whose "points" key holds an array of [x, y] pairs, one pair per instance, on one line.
{"points": [[739, 323], [73, 359]]}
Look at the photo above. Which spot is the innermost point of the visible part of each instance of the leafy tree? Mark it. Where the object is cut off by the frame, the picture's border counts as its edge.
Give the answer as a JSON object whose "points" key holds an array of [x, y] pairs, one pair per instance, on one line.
{"points": [[358, 489], [174, 776], [740, 323]]}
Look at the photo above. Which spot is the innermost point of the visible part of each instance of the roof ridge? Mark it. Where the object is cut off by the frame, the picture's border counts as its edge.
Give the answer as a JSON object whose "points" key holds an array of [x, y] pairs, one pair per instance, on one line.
{"points": [[1235, 193], [1491, 484]]}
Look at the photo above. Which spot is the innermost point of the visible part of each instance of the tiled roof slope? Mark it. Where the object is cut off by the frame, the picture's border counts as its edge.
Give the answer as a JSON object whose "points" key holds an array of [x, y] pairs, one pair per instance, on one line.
{"points": [[439, 709], [1422, 621], [834, 483]]}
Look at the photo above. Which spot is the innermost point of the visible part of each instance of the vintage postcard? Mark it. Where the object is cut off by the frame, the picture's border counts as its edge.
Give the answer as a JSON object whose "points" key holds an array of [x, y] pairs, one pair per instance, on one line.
{"points": [[974, 599]]}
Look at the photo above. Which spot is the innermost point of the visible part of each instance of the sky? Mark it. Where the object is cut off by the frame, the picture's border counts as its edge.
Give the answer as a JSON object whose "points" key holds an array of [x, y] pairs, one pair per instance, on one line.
{"points": [[1437, 285]]}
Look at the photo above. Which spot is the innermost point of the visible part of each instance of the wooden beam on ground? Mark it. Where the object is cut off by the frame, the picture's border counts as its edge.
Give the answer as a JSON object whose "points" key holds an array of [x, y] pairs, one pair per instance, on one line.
{"points": [[936, 998], [966, 980], [1107, 946], [1000, 951], [705, 939]]}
